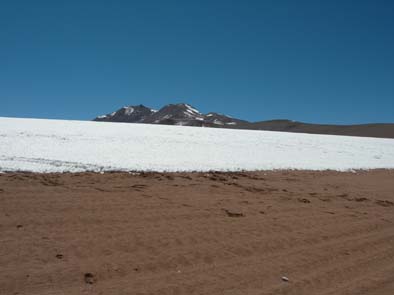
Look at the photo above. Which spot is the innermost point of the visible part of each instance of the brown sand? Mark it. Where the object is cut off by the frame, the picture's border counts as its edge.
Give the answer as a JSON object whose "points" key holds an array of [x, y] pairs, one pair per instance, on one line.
{"points": [[202, 233]]}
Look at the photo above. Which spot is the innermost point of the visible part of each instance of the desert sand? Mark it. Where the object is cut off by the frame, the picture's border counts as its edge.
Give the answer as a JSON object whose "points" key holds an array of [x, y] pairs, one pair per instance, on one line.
{"points": [[283, 232]]}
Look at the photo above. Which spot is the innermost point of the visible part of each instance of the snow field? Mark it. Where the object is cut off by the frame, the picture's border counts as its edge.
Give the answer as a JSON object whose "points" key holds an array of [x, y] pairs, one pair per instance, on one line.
{"points": [[39, 145]]}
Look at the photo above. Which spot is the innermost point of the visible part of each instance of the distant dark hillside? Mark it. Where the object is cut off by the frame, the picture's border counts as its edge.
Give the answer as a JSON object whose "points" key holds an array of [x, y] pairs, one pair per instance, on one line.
{"points": [[366, 130], [186, 115]]}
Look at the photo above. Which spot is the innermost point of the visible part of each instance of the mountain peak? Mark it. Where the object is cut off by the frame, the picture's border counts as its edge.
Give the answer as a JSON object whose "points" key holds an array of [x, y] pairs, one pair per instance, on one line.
{"points": [[176, 114], [128, 114], [171, 114]]}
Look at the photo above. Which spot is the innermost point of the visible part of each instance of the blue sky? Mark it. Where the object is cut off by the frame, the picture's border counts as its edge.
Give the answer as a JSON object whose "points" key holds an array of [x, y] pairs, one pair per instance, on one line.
{"points": [[313, 61]]}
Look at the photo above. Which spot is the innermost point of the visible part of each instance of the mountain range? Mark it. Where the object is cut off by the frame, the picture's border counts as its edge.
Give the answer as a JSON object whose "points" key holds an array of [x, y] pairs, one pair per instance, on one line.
{"points": [[185, 115]]}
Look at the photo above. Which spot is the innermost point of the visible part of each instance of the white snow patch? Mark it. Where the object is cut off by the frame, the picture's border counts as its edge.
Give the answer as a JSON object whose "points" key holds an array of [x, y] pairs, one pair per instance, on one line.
{"points": [[191, 114], [59, 146], [102, 116], [218, 122], [189, 107], [188, 113], [128, 110], [231, 123]]}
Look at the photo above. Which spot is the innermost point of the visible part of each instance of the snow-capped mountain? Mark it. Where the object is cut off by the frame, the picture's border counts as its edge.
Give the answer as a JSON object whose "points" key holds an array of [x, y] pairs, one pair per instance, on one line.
{"points": [[176, 114], [171, 114], [128, 114]]}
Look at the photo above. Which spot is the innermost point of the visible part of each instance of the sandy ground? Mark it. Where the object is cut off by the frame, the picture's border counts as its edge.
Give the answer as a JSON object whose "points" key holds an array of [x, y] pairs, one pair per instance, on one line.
{"points": [[201, 233]]}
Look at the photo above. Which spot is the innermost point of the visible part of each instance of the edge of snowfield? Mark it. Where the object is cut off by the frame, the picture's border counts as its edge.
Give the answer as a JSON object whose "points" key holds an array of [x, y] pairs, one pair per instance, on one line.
{"points": [[38, 145]]}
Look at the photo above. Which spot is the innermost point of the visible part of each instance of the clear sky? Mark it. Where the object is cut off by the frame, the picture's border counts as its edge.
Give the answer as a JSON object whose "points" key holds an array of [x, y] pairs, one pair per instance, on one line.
{"points": [[315, 61]]}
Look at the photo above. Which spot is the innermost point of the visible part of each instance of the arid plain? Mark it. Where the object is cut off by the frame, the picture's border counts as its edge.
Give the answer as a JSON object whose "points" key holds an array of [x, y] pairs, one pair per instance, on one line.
{"points": [[279, 232]]}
